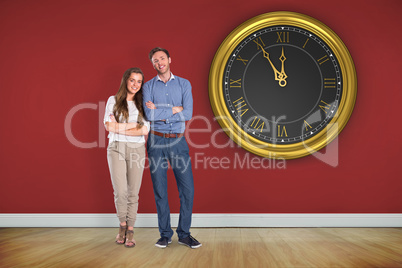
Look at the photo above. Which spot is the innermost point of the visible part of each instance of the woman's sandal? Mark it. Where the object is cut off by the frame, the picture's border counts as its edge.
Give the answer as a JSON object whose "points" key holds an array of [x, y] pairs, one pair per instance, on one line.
{"points": [[130, 242], [121, 236]]}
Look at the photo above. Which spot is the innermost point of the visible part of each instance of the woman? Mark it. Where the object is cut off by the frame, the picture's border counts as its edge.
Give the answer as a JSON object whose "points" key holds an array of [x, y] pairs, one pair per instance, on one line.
{"points": [[124, 119]]}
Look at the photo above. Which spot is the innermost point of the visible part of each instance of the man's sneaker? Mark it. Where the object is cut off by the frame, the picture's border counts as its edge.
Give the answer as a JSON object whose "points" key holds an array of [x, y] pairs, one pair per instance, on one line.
{"points": [[190, 241], [163, 242]]}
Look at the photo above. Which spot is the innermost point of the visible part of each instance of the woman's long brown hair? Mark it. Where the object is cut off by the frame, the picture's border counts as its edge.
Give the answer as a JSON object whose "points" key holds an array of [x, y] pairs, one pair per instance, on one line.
{"points": [[120, 109]]}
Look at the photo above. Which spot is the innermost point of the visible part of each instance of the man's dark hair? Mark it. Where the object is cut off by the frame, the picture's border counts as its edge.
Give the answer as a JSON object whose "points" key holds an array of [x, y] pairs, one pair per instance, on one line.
{"points": [[153, 51]]}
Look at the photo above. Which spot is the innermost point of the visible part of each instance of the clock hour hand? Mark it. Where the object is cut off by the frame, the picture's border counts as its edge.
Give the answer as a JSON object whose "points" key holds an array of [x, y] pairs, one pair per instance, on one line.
{"points": [[282, 75], [279, 76]]}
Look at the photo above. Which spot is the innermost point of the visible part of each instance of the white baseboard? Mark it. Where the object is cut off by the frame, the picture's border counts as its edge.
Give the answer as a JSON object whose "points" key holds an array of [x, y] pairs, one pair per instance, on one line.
{"points": [[206, 220]]}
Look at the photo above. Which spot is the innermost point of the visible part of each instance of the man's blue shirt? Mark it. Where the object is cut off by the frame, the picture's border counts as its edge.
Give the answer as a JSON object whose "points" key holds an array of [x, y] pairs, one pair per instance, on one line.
{"points": [[176, 92]]}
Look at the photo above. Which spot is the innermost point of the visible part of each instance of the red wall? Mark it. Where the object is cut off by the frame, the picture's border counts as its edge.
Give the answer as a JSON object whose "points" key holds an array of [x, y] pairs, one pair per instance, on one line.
{"points": [[56, 55]]}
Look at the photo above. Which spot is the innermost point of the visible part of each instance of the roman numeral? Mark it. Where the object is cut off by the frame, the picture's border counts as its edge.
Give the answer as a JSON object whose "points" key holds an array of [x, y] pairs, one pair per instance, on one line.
{"points": [[242, 60], [329, 83], [282, 131], [259, 42], [283, 37], [323, 59], [240, 103], [307, 125], [235, 83], [256, 124], [324, 106], [306, 43]]}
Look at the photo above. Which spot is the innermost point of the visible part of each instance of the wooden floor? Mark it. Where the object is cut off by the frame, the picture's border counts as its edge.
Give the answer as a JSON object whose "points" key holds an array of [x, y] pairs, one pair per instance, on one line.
{"points": [[222, 247]]}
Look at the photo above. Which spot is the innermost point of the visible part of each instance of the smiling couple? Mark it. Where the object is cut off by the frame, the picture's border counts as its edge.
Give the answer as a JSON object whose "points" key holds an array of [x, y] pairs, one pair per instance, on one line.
{"points": [[160, 106]]}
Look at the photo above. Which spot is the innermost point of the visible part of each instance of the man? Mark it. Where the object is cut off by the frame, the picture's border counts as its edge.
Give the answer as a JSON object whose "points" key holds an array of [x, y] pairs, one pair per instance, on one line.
{"points": [[168, 103]]}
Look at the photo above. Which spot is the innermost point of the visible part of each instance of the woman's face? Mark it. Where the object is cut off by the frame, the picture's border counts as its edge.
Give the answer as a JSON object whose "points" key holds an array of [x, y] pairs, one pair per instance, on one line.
{"points": [[134, 83]]}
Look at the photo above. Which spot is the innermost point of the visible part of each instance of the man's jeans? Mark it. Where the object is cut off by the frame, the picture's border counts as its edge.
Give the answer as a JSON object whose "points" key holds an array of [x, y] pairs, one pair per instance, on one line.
{"points": [[175, 150]]}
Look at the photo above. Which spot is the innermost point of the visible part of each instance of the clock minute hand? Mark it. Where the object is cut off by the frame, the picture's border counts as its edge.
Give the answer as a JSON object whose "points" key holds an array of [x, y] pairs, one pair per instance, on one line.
{"points": [[266, 55], [279, 76]]}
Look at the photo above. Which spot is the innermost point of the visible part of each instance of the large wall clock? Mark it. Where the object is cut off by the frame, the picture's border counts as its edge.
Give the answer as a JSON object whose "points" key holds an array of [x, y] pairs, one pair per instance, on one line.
{"points": [[282, 85]]}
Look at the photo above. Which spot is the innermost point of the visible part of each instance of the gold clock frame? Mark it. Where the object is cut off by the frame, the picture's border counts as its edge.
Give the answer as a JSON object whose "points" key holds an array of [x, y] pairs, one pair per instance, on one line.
{"points": [[287, 151]]}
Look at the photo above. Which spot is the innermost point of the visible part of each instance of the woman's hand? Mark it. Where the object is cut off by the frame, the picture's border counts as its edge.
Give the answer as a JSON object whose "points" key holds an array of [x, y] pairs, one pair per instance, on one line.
{"points": [[112, 119], [150, 105]]}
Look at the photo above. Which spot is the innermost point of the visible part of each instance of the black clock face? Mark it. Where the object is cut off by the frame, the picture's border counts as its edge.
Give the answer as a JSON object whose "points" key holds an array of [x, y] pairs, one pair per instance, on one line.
{"points": [[282, 85]]}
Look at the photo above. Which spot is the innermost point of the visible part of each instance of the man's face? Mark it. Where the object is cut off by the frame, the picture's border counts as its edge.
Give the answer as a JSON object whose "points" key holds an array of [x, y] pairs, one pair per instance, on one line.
{"points": [[161, 62]]}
